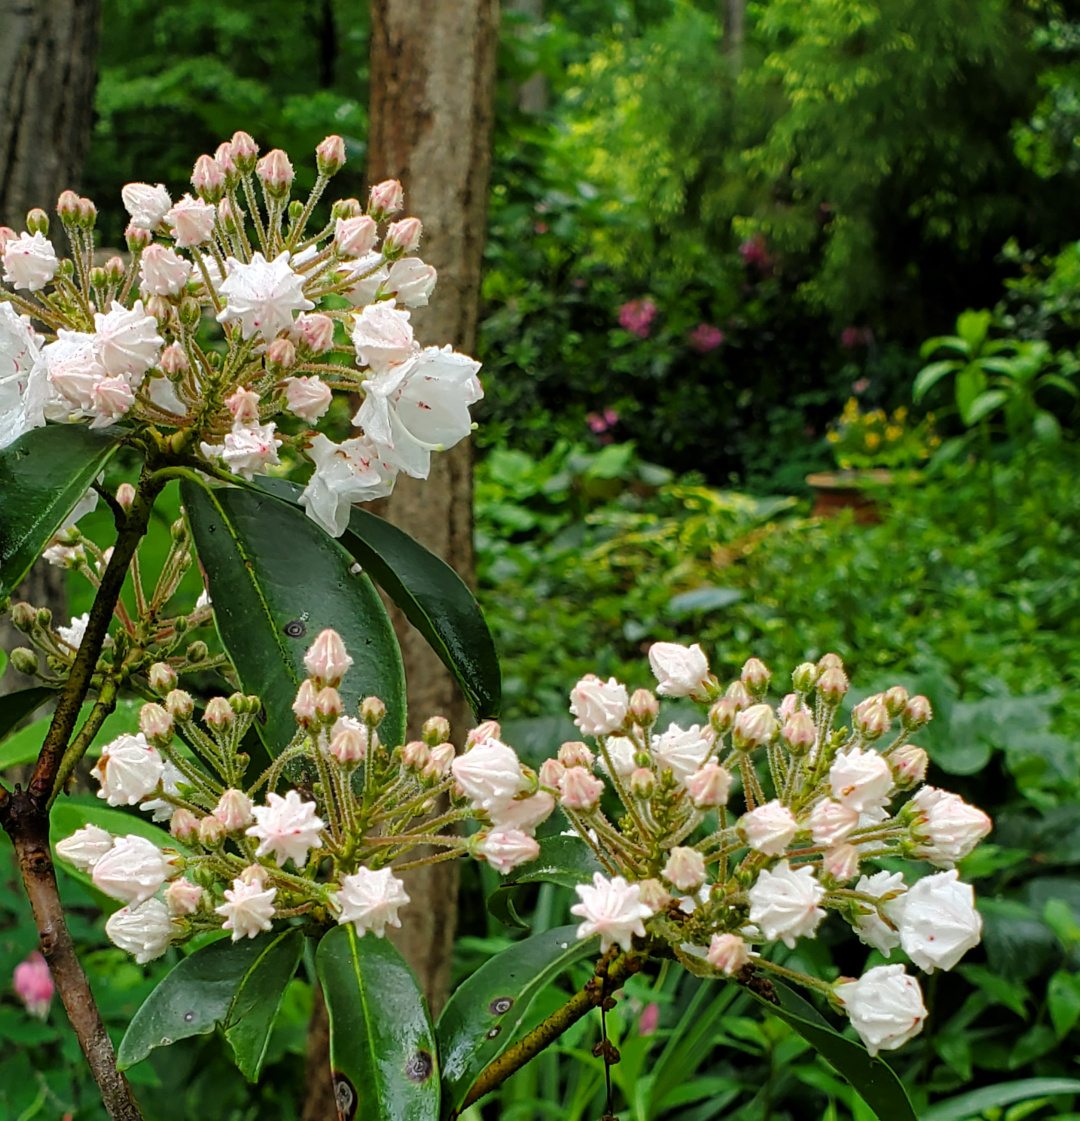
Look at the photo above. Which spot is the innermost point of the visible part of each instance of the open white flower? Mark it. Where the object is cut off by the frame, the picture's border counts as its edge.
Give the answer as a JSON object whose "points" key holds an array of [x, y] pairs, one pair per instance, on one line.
{"points": [[127, 341], [683, 751], [192, 221], [599, 707], [490, 774], [288, 828], [247, 450], [23, 383], [784, 903], [262, 295], [939, 923], [613, 909], [248, 908], [147, 205], [870, 926], [29, 261], [345, 473], [129, 769], [885, 1007], [860, 780], [162, 271], [769, 828], [371, 900], [680, 671], [411, 281]]}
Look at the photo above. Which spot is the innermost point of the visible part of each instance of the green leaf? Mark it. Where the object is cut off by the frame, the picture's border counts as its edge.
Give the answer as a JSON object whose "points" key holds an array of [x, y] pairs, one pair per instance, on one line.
{"points": [[16, 707], [485, 1012], [970, 383], [977, 1102], [1063, 1000], [872, 1078], [930, 375], [430, 594], [563, 860], [277, 580], [231, 984], [43, 474], [972, 327], [382, 1045], [23, 746], [985, 404]]}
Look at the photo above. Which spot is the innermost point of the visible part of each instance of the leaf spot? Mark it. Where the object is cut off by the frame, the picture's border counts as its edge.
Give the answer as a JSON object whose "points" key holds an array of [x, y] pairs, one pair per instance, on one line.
{"points": [[500, 1005], [188, 1017], [420, 1067], [494, 1031], [344, 1096], [295, 629]]}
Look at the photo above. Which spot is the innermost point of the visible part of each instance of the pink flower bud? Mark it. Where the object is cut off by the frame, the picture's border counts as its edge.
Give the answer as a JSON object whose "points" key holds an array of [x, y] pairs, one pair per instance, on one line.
{"points": [[330, 155], [162, 676], [642, 783], [917, 712], [33, 985], [804, 677], [137, 238], [275, 171], [709, 787], [830, 822], [728, 953], [644, 707], [208, 179], [415, 754], [244, 151], [125, 496], [574, 753], [315, 333], [580, 790], [87, 213], [355, 236], [755, 726], [346, 208], [67, 206], [871, 718], [755, 676], [798, 733], [685, 868], [328, 704], [349, 742], [653, 894], [909, 765], [739, 695], [182, 897], [304, 705], [841, 863], [37, 221], [722, 715], [487, 730], [832, 685], [173, 360], [179, 705], [402, 237], [438, 765], [436, 729], [7, 234], [280, 355], [234, 810], [551, 773], [769, 828], [223, 157], [184, 825], [114, 270], [156, 724], [219, 713], [243, 404], [830, 661], [211, 830], [307, 398], [386, 198], [372, 711], [895, 700]]}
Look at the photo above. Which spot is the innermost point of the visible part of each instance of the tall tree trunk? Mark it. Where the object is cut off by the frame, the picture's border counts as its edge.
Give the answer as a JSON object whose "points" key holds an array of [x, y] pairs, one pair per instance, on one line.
{"points": [[48, 68], [734, 33], [431, 118]]}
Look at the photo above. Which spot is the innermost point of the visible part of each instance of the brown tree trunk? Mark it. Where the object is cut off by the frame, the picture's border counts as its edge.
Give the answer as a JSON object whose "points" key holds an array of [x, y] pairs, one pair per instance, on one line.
{"points": [[432, 112]]}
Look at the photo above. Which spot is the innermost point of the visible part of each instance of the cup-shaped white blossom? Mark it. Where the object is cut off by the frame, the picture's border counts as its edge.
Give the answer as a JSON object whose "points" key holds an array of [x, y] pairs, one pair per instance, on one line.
{"points": [[132, 870], [860, 780], [685, 868], [411, 282], [127, 340], [247, 450], [262, 295], [345, 473], [885, 1007], [768, 828], [129, 769], [680, 671], [613, 909], [784, 903], [945, 828], [29, 262], [144, 931], [729, 953], [490, 774], [939, 923], [146, 204], [248, 909], [871, 926], [371, 900], [504, 849], [287, 828], [163, 273], [85, 847], [683, 751]]}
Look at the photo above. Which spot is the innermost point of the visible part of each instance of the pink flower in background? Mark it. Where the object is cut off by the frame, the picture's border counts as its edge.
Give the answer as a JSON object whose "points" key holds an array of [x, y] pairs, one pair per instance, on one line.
{"points": [[34, 985], [754, 253], [601, 422], [650, 1018], [704, 337], [636, 316], [860, 386], [851, 337]]}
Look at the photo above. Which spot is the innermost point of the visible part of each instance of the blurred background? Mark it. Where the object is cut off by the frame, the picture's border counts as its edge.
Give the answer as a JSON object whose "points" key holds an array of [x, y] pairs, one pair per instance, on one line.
{"points": [[778, 305]]}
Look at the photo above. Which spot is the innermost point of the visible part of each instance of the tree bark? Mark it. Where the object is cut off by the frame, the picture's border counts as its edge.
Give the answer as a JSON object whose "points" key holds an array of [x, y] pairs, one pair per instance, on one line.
{"points": [[431, 118]]}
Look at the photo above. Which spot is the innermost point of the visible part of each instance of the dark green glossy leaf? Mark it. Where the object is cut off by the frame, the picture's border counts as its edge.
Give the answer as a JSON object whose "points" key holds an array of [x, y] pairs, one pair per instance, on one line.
{"points": [[226, 984], [382, 1045], [15, 707], [277, 580], [563, 860], [43, 474], [430, 594], [874, 1079], [977, 1102], [485, 1012]]}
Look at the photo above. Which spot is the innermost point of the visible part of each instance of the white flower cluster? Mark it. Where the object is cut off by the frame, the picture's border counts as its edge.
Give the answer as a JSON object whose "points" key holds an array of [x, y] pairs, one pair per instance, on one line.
{"points": [[240, 864], [122, 339], [719, 856]]}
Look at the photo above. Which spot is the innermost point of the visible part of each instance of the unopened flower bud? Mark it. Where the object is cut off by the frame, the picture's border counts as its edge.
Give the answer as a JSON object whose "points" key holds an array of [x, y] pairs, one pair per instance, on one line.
{"points": [[156, 724], [182, 897], [219, 713], [314, 333], [184, 824], [114, 270], [208, 179], [438, 764], [644, 707], [229, 216], [574, 753], [7, 234], [685, 868], [755, 676], [37, 222], [372, 711], [280, 355], [353, 237], [211, 830], [125, 496], [346, 208], [798, 733], [349, 742], [296, 211], [402, 237], [23, 616], [832, 685], [197, 651], [653, 894], [87, 213], [895, 699], [385, 199], [276, 173], [551, 773], [722, 715], [179, 705], [415, 754], [137, 238], [25, 661], [754, 727], [841, 863], [580, 790], [243, 406], [44, 617], [917, 712], [728, 953], [487, 730], [67, 206], [908, 765], [159, 308], [234, 810], [642, 783], [304, 705], [436, 729], [709, 786], [871, 718], [162, 677], [244, 152], [739, 695], [830, 661], [97, 277], [328, 704]]}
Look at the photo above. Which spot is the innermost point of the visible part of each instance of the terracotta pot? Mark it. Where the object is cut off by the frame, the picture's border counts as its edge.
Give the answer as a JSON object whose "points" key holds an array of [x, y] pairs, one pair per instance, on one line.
{"points": [[848, 490]]}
